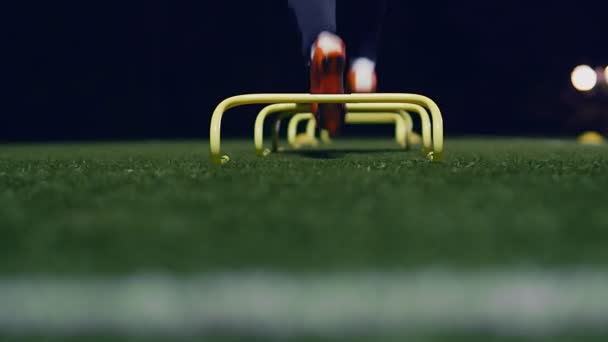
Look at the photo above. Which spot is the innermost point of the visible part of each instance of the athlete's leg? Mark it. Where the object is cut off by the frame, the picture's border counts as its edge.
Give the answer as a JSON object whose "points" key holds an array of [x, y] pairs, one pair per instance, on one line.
{"points": [[314, 17], [326, 56], [363, 25]]}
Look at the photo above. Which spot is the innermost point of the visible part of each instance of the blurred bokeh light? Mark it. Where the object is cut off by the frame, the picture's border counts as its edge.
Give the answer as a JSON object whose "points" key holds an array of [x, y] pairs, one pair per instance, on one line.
{"points": [[584, 78]]}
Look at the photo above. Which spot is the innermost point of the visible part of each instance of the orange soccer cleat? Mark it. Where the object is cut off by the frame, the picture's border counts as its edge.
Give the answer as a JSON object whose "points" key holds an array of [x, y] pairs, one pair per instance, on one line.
{"points": [[327, 77], [362, 76]]}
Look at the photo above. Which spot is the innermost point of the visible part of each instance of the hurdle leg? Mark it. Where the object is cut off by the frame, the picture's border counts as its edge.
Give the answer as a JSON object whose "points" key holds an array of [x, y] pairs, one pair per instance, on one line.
{"points": [[311, 128], [311, 132], [425, 120], [408, 121], [276, 127], [409, 127], [292, 128], [425, 126], [382, 118], [260, 120]]}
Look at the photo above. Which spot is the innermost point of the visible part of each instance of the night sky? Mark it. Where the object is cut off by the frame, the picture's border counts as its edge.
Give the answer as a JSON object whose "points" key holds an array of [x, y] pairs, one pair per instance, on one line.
{"points": [[156, 69]]}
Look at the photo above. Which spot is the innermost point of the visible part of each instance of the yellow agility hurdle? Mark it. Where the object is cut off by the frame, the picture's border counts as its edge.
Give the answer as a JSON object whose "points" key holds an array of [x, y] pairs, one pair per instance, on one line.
{"points": [[401, 125], [369, 118], [312, 125], [240, 100], [288, 110], [428, 133]]}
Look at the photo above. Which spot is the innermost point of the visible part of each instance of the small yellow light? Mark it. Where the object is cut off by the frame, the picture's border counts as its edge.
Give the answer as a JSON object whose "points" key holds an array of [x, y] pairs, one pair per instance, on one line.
{"points": [[583, 78]]}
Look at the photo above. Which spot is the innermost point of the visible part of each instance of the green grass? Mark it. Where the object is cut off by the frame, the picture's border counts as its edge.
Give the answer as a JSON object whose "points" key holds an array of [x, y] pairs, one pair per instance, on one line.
{"points": [[119, 208], [463, 338], [115, 208]]}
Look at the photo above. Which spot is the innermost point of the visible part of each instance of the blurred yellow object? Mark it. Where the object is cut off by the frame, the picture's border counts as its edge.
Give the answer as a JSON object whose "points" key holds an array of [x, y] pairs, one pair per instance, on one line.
{"points": [[304, 140], [591, 138], [414, 138]]}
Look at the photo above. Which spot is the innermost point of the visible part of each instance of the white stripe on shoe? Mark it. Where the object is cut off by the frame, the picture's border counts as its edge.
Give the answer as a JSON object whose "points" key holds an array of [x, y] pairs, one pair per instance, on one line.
{"points": [[328, 43], [363, 69]]}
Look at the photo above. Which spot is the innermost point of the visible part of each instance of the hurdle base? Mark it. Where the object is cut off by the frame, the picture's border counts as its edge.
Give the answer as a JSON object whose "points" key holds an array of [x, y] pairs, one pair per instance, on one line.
{"points": [[263, 152], [220, 159], [303, 140], [434, 156]]}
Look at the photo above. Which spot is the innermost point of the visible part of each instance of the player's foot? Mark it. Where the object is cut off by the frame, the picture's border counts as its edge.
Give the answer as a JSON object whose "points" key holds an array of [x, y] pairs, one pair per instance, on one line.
{"points": [[362, 76], [328, 58]]}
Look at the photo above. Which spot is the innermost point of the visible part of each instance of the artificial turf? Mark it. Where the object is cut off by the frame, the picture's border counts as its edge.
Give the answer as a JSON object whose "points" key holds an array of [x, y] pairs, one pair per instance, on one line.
{"points": [[114, 208], [445, 338]]}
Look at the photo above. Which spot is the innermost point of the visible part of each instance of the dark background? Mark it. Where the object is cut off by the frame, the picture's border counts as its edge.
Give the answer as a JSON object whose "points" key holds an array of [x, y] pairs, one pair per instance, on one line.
{"points": [[156, 69]]}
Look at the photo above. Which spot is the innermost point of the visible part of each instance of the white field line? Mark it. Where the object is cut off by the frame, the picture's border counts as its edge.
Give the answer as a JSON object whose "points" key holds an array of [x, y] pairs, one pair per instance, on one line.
{"points": [[286, 304]]}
